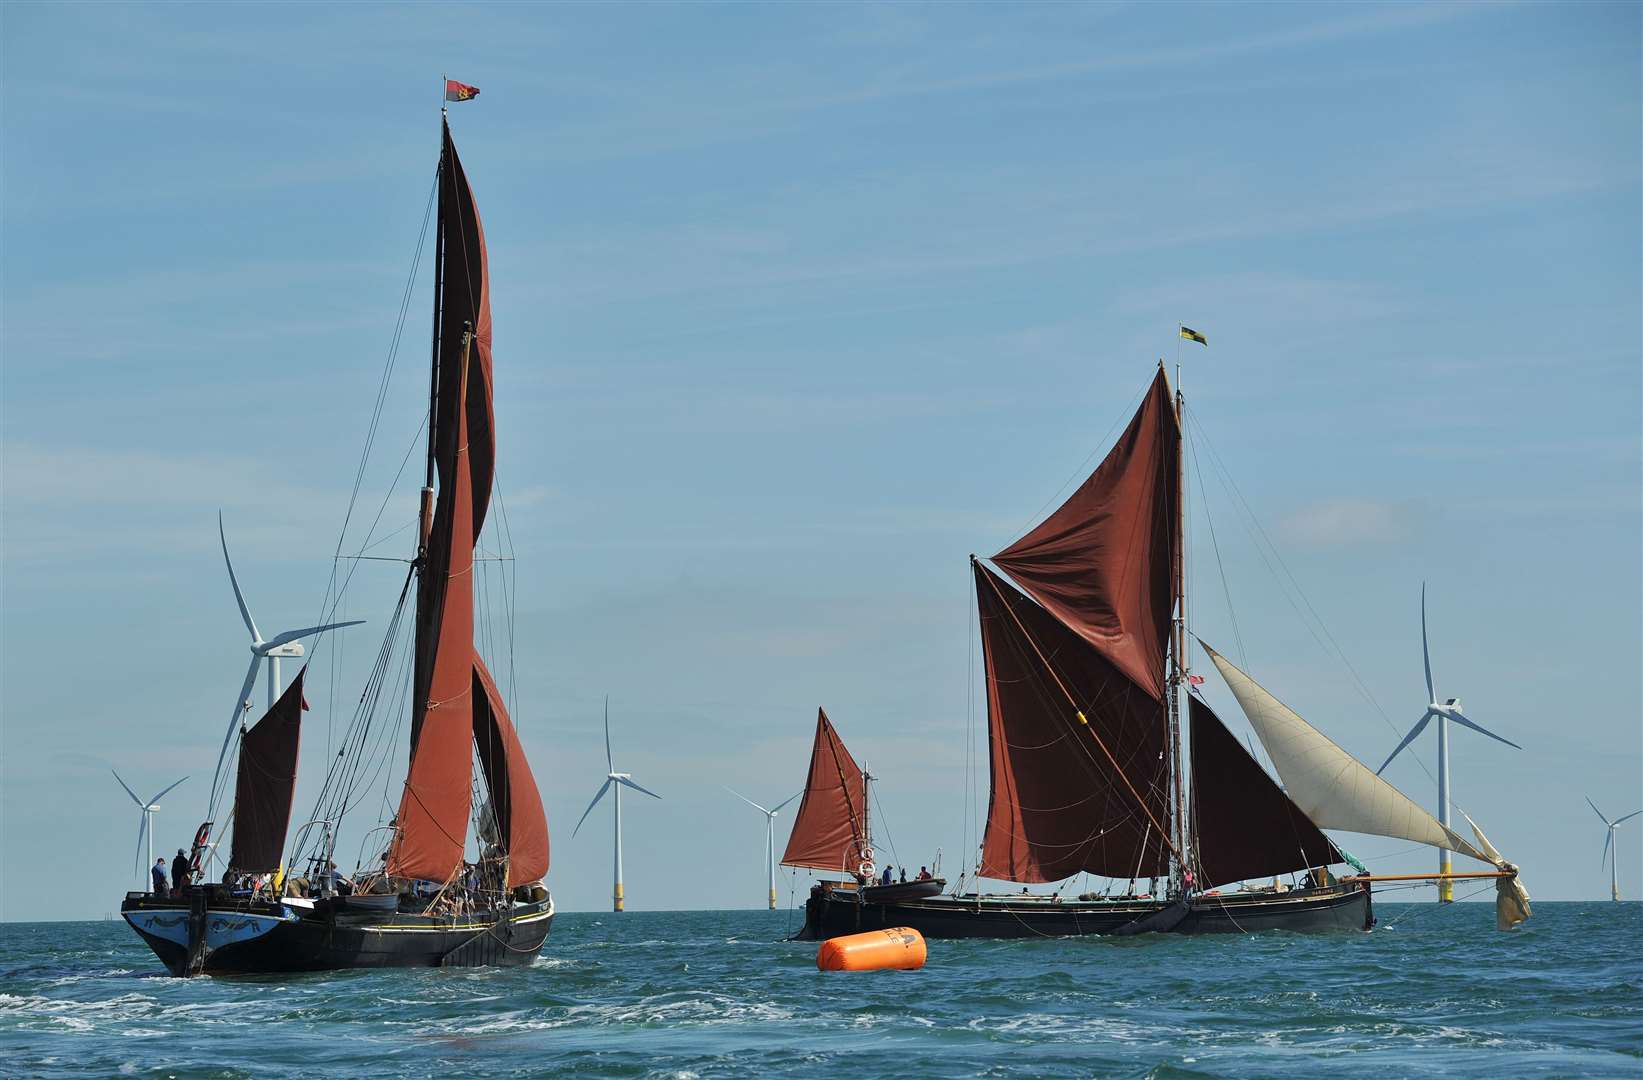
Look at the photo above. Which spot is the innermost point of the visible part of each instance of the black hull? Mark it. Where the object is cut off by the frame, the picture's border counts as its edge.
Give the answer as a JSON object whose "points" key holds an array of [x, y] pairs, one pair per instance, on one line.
{"points": [[1345, 906], [243, 938]]}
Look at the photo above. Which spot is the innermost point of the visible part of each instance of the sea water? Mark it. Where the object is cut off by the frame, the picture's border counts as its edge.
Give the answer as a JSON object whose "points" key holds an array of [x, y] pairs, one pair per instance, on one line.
{"points": [[1433, 991]]}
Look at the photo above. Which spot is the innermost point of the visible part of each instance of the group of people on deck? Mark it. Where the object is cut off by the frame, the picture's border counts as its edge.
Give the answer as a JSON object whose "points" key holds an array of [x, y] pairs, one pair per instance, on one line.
{"points": [[887, 879], [180, 874]]}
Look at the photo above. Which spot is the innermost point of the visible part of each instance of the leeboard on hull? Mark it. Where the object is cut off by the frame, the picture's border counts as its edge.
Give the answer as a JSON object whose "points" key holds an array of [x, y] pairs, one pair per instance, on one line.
{"points": [[1344, 906], [263, 938]]}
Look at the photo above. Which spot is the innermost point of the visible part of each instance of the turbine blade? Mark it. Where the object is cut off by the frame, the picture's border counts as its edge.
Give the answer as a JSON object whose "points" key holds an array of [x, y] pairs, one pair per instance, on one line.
{"points": [[245, 613], [636, 787], [127, 786], [1455, 715], [1628, 817], [239, 709], [787, 800], [142, 831], [1419, 727], [307, 631], [1608, 839], [1596, 811], [1426, 653], [610, 764], [164, 793], [747, 800], [602, 789]]}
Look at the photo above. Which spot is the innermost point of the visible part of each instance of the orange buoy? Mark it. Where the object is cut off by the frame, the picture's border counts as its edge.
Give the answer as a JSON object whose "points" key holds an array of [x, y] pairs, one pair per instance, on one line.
{"points": [[900, 948]]}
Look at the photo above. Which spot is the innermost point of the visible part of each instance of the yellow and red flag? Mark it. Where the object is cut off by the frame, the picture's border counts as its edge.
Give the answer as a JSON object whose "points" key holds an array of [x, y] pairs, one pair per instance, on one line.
{"points": [[455, 91]]}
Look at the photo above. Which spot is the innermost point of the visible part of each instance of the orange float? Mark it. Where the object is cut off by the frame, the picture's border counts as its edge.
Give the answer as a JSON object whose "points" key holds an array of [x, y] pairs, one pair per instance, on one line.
{"points": [[900, 948]]}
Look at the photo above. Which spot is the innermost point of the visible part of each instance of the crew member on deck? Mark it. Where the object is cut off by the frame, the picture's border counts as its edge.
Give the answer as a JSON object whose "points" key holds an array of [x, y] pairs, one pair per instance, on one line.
{"points": [[179, 873], [924, 873], [158, 872], [887, 879]]}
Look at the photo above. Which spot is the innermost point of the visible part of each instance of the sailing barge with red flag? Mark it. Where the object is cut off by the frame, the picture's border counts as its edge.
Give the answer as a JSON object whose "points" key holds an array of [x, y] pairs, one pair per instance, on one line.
{"points": [[1085, 654], [416, 900]]}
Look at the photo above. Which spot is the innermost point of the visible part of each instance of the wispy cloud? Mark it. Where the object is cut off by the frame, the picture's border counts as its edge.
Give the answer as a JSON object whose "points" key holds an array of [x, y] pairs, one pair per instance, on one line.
{"points": [[1349, 522]]}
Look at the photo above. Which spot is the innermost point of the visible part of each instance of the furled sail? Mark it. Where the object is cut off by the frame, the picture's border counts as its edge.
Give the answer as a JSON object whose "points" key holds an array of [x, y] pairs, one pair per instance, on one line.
{"points": [[830, 829], [516, 804], [433, 811], [1077, 751], [1332, 788], [1102, 563], [1247, 826], [266, 782]]}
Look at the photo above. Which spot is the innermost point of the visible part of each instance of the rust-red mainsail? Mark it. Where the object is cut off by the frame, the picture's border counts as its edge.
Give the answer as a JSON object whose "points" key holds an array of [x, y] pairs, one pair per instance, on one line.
{"points": [[434, 808], [1247, 826], [830, 830], [522, 827], [1102, 563], [1077, 751], [266, 782]]}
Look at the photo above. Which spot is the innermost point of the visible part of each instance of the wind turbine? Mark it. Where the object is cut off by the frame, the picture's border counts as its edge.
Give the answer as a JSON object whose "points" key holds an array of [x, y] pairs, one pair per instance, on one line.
{"points": [[287, 644], [1613, 858], [613, 781], [1445, 712], [146, 829], [769, 834]]}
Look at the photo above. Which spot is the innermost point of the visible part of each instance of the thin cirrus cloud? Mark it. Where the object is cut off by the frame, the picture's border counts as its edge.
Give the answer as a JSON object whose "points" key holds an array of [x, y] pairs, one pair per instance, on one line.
{"points": [[1349, 522]]}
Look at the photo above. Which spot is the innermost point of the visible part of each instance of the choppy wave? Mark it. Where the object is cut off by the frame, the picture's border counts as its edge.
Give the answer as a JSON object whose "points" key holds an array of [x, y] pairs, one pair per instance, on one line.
{"points": [[719, 994]]}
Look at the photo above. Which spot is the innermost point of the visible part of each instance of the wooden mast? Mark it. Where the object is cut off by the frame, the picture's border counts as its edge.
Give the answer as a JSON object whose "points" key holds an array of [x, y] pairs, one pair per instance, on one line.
{"points": [[1177, 674]]}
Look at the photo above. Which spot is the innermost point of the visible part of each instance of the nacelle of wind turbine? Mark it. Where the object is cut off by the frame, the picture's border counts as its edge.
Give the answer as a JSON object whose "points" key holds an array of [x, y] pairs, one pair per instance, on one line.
{"points": [[281, 646]]}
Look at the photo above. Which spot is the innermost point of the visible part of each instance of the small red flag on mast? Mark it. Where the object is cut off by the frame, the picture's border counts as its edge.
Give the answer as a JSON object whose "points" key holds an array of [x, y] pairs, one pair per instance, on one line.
{"points": [[455, 91]]}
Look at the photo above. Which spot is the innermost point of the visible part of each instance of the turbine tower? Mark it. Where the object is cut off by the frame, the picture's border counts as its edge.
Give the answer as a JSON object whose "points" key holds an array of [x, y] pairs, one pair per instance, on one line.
{"points": [[1444, 711], [613, 781], [769, 834], [287, 644], [1611, 856], [146, 829]]}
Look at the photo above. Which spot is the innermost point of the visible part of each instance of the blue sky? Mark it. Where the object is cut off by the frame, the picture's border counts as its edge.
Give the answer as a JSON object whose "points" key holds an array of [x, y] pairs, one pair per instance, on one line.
{"points": [[795, 307]]}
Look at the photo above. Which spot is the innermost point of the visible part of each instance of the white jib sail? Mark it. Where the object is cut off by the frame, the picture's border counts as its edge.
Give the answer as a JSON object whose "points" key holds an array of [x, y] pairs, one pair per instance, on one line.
{"points": [[1333, 788]]}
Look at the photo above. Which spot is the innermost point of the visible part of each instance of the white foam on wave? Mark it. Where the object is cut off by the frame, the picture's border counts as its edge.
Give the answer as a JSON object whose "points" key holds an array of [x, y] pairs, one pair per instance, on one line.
{"points": [[665, 1010]]}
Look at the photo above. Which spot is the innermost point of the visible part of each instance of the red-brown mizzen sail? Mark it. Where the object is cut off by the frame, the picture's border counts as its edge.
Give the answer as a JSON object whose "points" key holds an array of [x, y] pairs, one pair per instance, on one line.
{"points": [[266, 782], [434, 808], [1102, 562], [830, 829], [1247, 826], [522, 826], [1076, 749]]}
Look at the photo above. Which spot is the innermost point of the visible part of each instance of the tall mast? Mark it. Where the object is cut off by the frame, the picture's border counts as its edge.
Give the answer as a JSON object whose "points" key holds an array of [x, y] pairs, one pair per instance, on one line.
{"points": [[1177, 673], [426, 510]]}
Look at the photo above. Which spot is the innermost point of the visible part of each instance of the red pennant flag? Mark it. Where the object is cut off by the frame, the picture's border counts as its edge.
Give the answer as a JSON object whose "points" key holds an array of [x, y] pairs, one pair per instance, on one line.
{"points": [[455, 91], [1196, 680]]}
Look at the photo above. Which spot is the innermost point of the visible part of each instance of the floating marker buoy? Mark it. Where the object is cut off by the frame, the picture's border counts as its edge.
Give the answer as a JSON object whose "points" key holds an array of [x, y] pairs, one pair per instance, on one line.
{"points": [[898, 949]]}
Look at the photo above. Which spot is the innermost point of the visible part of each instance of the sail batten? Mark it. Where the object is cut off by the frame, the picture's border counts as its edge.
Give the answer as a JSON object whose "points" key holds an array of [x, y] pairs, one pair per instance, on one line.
{"points": [[1103, 562], [830, 828], [1332, 788], [266, 783], [1076, 751]]}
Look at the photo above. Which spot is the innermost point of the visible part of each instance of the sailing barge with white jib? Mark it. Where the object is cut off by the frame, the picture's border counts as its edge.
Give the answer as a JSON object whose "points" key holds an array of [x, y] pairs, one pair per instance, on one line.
{"points": [[1085, 653], [417, 897]]}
